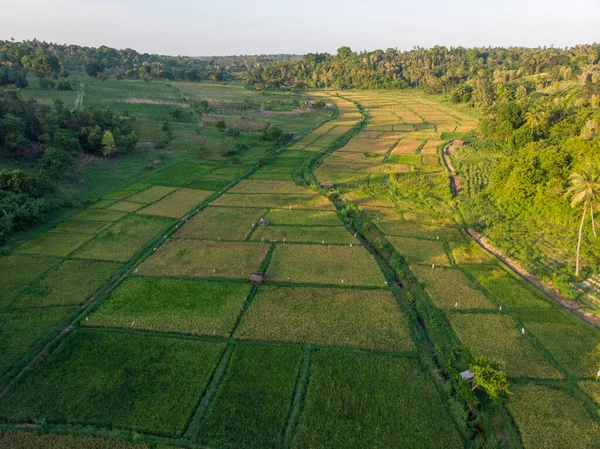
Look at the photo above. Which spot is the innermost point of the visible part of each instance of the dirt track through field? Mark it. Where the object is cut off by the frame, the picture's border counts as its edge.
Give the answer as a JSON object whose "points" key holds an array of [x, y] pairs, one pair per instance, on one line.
{"points": [[524, 274]]}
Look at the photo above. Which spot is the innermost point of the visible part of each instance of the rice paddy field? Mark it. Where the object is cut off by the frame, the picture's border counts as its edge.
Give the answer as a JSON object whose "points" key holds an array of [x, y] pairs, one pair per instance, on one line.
{"points": [[165, 312]]}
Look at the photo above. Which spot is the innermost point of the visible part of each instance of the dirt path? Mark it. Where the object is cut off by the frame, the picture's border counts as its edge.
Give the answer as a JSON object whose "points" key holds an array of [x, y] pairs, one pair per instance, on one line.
{"points": [[79, 98], [516, 267], [454, 180]]}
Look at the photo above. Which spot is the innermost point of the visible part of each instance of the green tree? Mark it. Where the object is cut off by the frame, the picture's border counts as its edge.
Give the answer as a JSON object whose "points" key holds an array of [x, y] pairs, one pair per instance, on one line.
{"points": [[490, 378], [535, 118], [585, 191], [56, 162], [108, 144]]}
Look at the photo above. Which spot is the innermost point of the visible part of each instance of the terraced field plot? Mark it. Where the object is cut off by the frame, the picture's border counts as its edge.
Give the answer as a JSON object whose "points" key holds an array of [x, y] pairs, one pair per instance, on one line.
{"points": [[125, 206], [270, 187], [353, 402], [368, 319], [93, 214], [52, 244], [419, 251], [28, 440], [470, 253], [324, 264], [303, 217], [71, 283], [116, 377], [498, 337], [122, 241], [570, 341], [151, 194], [549, 417], [451, 289], [252, 405], [329, 235], [227, 223], [274, 201], [172, 305], [81, 227], [177, 204], [204, 259], [417, 229], [509, 291], [20, 330], [18, 273], [179, 174]]}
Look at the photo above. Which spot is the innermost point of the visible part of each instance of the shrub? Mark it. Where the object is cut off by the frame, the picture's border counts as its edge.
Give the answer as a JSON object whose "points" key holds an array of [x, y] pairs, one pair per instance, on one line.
{"points": [[64, 85]]}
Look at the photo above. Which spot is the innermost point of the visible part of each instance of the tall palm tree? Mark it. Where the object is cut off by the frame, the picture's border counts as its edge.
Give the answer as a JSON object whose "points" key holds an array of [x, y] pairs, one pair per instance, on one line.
{"points": [[535, 118], [585, 190]]}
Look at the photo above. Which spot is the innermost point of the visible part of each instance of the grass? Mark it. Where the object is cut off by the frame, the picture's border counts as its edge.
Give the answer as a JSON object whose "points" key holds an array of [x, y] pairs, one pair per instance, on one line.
{"points": [[273, 174], [124, 239], [124, 192], [415, 229], [71, 283], [179, 174], [355, 401], [303, 217], [81, 227], [224, 174], [327, 317], [29, 440], [417, 251], [370, 199], [497, 337], [172, 305], [18, 272], [228, 223], [446, 287], [52, 244], [306, 234], [93, 214], [152, 194], [177, 204], [323, 264], [272, 201], [471, 253], [205, 259], [252, 404], [549, 417], [208, 185], [139, 382], [508, 290], [277, 187], [20, 330], [125, 206], [592, 388], [569, 340]]}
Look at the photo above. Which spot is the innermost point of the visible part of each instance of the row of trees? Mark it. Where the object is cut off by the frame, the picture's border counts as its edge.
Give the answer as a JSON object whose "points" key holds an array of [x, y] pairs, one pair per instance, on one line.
{"points": [[49, 58], [437, 69]]}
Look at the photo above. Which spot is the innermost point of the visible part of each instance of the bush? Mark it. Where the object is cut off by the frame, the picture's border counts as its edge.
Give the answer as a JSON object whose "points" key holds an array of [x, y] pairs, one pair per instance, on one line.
{"points": [[17, 211], [45, 83], [64, 85]]}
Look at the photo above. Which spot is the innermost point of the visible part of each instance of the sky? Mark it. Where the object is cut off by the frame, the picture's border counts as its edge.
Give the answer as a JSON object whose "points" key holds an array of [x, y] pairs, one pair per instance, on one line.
{"points": [[235, 27]]}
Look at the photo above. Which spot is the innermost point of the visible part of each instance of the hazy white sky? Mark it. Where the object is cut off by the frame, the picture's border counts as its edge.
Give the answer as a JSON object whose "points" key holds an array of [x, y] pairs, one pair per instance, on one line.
{"points": [[202, 27]]}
